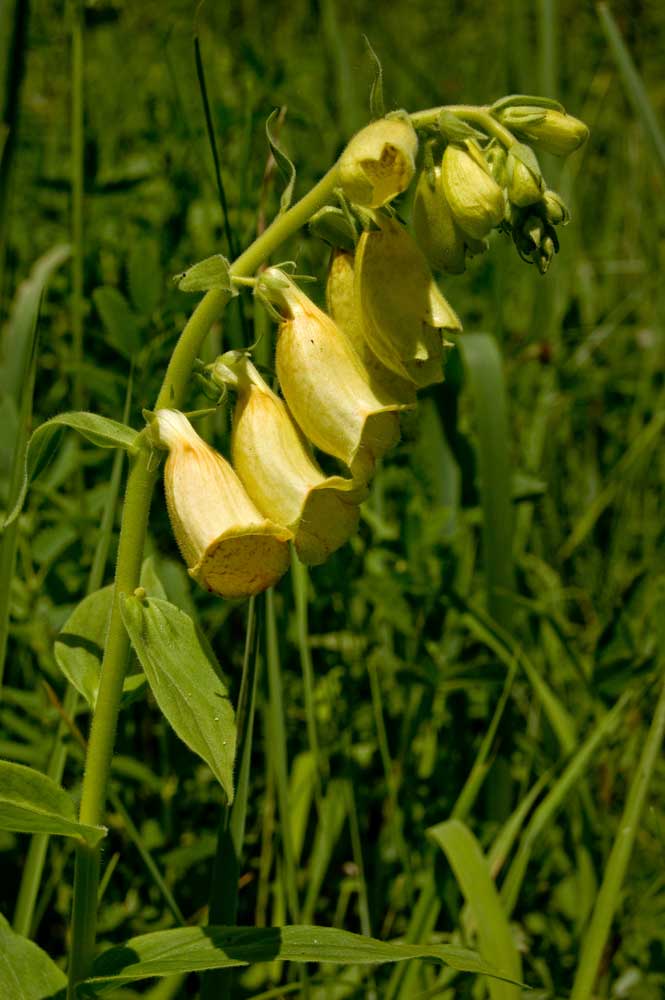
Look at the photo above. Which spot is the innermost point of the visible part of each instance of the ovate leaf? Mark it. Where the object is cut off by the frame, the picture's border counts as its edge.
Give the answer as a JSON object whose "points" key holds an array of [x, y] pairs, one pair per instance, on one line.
{"points": [[26, 972], [120, 322], [213, 272], [98, 430], [474, 879], [185, 681], [79, 648], [31, 802], [284, 164], [195, 949]]}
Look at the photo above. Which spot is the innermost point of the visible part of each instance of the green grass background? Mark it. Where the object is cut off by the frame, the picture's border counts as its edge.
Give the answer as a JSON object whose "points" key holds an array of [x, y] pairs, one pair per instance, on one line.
{"points": [[408, 672]]}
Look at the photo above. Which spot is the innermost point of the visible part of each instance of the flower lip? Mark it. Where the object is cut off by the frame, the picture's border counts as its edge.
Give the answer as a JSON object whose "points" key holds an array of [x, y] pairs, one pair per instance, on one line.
{"points": [[379, 161]]}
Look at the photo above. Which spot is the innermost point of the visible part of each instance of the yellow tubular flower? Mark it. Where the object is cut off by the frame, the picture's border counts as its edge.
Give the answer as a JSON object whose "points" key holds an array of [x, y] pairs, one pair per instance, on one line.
{"points": [[475, 198], [278, 471], [379, 162], [552, 132], [403, 311], [229, 547], [342, 306], [325, 384]]}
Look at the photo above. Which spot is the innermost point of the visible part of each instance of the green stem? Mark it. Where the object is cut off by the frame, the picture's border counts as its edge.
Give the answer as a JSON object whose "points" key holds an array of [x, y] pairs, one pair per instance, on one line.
{"points": [[77, 179], [608, 898], [140, 484], [466, 113]]}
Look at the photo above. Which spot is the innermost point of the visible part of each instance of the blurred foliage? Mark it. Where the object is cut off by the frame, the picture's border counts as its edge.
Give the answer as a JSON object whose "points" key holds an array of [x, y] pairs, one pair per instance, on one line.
{"points": [[405, 686]]}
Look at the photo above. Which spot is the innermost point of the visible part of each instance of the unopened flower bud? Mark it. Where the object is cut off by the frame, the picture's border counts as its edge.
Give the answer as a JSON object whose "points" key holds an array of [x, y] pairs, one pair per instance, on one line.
{"points": [[554, 209], [548, 130], [438, 236], [404, 313], [535, 238], [379, 162], [476, 200], [278, 470], [524, 183], [326, 385], [343, 308], [229, 547]]}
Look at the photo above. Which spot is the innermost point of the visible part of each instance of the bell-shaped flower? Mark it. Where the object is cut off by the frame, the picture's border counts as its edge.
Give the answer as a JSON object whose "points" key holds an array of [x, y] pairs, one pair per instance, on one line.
{"points": [[278, 471], [403, 312], [476, 200], [379, 161], [229, 546], [343, 308], [325, 383]]}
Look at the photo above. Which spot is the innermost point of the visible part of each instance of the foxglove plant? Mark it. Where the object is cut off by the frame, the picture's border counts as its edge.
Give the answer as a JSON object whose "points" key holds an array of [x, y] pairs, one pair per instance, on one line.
{"points": [[345, 377]]}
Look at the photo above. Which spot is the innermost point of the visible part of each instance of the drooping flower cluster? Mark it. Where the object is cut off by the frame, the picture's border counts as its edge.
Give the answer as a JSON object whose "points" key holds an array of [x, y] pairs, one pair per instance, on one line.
{"points": [[346, 374]]}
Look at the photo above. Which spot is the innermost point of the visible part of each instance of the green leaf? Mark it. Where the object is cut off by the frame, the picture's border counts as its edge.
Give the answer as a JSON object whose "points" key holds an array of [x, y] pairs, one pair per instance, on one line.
{"points": [[185, 681], [524, 100], [484, 372], [376, 103], [146, 280], [213, 272], [101, 431], [26, 972], [473, 877], [19, 335], [79, 648], [30, 802], [454, 129], [284, 164], [120, 322], [195, 949]]}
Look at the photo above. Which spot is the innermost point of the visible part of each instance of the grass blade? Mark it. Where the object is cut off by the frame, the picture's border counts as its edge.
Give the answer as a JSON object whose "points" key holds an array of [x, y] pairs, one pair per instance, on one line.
{"points": [[474, 879], [483, 366], [609, 895], [635, 89]]}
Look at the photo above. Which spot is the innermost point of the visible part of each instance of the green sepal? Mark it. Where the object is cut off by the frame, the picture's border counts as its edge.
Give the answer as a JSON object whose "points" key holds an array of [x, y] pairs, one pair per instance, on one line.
{"points": [[533, 100], [213, 272], [376, 103], [526, 155], [333, 226], [453, 129], [284, 164]]}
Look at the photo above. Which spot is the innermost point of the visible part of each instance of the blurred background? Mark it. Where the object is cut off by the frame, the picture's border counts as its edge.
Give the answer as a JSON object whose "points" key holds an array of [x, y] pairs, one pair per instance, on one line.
{"points": [[539, 467]]}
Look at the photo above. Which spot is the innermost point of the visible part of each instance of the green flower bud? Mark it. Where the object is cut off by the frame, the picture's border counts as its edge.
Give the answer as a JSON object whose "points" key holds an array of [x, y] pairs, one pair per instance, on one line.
{"points": [[438, 236], [554, 209], [476, 200], [535, 238], [548, 130], [525, 185], [403, 311], [229, 546], [379, 162]]}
